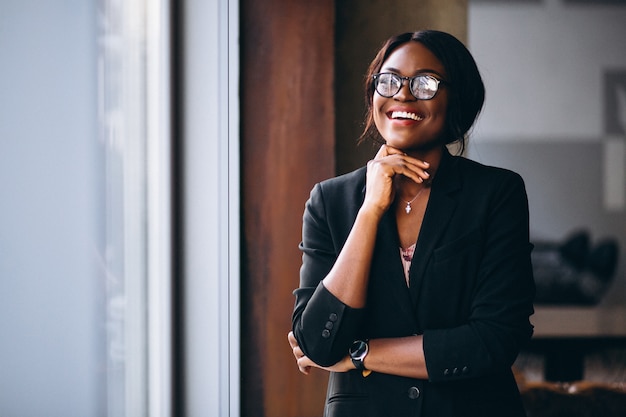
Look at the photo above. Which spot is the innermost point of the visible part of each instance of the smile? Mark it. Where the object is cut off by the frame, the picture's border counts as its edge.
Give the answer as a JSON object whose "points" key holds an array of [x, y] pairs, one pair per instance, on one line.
{"points": [[406, 115]]}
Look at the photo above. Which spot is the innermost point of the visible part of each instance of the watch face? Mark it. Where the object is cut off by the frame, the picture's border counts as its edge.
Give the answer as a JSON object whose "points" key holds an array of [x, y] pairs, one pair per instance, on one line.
{"points": [[358, 348]]}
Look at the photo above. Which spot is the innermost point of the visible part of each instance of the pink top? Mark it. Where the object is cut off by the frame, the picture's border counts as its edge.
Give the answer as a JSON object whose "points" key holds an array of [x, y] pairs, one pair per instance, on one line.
{"points": [[407, 257]]}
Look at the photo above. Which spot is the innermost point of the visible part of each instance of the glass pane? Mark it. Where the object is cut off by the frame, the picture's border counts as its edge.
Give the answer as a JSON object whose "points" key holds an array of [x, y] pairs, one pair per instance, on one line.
{"points": [[122, 113]]}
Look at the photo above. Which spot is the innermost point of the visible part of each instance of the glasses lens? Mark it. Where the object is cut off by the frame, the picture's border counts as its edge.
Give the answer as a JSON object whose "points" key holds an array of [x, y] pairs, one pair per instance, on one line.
{"points": [[424, 87], [388, 85]]}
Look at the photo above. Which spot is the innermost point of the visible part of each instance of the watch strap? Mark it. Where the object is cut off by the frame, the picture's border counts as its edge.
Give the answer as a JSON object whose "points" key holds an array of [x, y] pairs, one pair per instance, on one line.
{"points": [[358, 363]]}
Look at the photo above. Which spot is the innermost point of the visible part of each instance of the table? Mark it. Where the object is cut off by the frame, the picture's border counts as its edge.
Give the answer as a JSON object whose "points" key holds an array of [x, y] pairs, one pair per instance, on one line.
{"points": [[565, 335]]}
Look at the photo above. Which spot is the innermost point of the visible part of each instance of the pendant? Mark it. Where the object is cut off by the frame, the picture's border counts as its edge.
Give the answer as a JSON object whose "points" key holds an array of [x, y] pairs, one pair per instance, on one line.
{"points": [[408, 208]]}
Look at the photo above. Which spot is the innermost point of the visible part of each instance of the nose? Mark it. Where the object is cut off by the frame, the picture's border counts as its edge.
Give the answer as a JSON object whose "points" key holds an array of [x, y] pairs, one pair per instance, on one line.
{"points": [[405, 94]]}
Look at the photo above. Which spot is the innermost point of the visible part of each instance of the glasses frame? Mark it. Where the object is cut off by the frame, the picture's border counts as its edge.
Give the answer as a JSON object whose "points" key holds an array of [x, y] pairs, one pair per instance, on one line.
{"points": [[411, 80]]}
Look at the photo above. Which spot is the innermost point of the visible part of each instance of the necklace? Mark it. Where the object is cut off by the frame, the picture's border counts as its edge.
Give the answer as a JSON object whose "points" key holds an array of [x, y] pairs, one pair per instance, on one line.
{"points": [[408, 203]]}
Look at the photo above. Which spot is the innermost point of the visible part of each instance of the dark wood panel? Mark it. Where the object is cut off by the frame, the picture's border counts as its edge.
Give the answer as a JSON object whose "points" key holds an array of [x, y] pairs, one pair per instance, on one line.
{"points": [[287, 145]]}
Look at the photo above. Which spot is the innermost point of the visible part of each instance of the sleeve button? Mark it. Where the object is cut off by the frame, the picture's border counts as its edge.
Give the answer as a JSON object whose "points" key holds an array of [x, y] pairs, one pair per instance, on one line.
{"points": [[326, 334], [329, 325], [332, 317]]}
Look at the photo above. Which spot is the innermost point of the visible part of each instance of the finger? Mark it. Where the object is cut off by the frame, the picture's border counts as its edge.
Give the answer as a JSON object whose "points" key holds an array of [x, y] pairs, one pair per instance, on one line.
{"points": [[401, 164], [393, 151], [382, 152], [418, 176], [304, 365], [295, 348], [386, 150], [413, 168], [417, 162], [298, 353], [292, 340], [419, 168]]}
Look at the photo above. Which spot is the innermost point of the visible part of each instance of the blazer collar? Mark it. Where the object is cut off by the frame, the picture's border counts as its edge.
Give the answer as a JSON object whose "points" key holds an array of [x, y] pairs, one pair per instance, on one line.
{"points": [[440, 209]]}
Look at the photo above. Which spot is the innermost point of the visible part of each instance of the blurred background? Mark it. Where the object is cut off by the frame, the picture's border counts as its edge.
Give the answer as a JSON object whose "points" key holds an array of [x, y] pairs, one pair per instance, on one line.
{"points": [[155, 158]]}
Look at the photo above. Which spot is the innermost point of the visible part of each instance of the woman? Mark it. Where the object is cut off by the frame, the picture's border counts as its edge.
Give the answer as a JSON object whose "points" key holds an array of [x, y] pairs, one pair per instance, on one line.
{"points": [[416, 285]]}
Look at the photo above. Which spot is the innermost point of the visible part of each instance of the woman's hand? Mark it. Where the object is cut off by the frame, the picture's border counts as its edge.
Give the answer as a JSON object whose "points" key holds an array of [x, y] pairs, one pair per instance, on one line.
{"points": [[305, 364], [381, 171]]}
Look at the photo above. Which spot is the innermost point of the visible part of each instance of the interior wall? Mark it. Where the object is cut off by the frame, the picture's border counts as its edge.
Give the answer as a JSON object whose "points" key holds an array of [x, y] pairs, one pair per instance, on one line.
{"points": [[362, 26], [544, 71], [549, 113]]}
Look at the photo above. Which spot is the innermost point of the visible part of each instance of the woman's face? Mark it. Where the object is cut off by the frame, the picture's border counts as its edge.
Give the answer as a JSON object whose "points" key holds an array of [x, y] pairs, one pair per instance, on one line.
{"points": [[403, 121]]}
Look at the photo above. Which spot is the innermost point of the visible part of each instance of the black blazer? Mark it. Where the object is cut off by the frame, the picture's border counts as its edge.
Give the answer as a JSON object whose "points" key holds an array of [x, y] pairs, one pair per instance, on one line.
{"points": [[471, 293]]}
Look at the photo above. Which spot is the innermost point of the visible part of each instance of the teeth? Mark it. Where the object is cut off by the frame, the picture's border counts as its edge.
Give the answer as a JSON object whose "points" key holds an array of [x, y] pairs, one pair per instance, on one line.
{"points": [[405, 115]]}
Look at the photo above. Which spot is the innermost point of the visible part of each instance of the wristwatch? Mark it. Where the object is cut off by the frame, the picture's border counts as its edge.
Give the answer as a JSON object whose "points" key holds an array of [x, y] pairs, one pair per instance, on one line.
{"points": [[358, 351]]}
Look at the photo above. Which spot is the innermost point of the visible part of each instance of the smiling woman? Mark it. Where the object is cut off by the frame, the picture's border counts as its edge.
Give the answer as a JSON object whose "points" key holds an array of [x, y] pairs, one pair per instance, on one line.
{"points": [[467, 92], [410, 118], [416, 285]]}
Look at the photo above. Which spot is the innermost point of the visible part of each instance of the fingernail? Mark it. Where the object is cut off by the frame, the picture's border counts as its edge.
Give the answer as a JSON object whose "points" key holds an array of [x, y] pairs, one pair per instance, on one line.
{"points": [[426, 163]]}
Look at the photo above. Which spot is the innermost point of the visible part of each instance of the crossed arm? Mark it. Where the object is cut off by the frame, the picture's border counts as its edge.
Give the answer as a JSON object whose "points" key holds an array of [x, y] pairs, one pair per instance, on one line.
{"points": [[398, 356], [501, 302]]}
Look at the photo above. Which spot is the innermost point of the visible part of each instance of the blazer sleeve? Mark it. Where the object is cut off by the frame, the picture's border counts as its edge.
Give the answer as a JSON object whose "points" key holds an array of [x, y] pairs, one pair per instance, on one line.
{"points": [[502, 298], [323, 325]]}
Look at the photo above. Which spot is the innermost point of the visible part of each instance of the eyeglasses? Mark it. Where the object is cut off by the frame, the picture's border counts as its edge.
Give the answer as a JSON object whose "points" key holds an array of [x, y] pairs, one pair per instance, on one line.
{"points": [[423, 86]]}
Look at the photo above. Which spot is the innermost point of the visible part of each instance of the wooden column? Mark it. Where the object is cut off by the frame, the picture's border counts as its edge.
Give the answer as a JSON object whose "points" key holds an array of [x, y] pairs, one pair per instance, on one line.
{"points": [[287, 119]]}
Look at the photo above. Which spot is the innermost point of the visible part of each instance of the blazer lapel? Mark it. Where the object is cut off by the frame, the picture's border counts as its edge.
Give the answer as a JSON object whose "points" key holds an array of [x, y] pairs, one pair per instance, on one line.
{"points": [[439, 211]]}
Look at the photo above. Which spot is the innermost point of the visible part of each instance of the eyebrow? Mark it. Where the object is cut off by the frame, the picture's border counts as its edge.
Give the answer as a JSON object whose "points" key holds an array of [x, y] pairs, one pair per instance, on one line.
{"points": [[419, 71]]}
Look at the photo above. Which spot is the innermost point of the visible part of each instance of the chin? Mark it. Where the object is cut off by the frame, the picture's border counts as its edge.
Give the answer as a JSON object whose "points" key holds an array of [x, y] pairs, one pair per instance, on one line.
{"points": [[420, 147]]}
